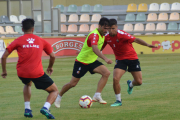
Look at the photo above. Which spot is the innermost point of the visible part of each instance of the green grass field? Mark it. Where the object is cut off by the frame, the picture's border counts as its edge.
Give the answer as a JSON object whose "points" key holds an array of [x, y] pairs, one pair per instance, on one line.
{"points": [[157, 99]]}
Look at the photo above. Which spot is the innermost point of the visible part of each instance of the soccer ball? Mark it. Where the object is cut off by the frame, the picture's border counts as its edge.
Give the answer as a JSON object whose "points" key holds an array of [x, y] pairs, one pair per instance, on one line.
{"points": [[85, 101]]}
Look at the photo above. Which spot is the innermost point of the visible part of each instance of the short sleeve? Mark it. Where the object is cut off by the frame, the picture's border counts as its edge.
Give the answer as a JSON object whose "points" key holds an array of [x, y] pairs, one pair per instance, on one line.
{"points": [[93, 39], [47, 47], [126, 36], [12, 46]]}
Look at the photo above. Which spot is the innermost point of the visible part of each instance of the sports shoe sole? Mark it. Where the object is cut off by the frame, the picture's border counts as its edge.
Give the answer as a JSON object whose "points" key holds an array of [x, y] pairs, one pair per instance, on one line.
{"points": [[46, 114]]}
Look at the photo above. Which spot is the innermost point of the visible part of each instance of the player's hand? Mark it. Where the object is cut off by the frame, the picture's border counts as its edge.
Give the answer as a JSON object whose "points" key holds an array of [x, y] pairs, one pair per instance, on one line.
{"points": [[108, 61], [4, 74], [151, 46], [49, 71]]}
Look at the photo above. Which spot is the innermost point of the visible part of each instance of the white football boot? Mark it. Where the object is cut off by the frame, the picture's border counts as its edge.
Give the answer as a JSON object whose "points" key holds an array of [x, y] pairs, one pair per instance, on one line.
{"points": [[99, 99], [57, 102]]}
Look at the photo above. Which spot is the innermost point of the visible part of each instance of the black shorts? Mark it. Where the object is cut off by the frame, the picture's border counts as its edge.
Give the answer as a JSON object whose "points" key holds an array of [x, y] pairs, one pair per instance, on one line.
{"points": [[42, 82], [80, 69], [133, 65]]}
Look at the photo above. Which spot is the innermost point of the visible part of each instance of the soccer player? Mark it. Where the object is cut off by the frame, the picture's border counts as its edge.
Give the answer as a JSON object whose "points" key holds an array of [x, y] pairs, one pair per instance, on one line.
{"points": [[87, 61], [29, 66], [126, 57]]}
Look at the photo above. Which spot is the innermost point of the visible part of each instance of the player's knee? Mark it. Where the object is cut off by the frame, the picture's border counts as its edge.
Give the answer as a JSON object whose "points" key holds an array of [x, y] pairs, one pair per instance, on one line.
{"points": [[139, 81], [73, 84], [115, 80], [107, 73]]}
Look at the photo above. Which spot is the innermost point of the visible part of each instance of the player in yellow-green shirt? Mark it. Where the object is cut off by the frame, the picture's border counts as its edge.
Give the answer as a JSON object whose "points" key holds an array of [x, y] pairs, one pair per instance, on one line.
{"points": [[87, 61]]}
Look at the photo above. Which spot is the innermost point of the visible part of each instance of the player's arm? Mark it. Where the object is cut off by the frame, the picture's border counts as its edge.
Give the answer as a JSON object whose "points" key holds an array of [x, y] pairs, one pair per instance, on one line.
{"points": [[3, 63], [142, 42], [49, 51], [51, 63], [99, 54]]}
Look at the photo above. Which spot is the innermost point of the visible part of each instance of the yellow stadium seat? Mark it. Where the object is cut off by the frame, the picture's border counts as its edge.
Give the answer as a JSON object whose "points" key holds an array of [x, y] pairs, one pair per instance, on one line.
{"points": [[132, 7], [142, 7]]}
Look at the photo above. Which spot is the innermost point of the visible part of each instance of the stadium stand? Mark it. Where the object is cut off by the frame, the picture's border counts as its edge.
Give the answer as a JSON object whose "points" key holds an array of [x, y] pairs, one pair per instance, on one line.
{"points": [[5, 19], [73, 18], [164, 7], [84, 28], [63, 28], [69, 35], [171, 33], [98, 8], [137, 34], [72, 28], [132, 7], [130, 17], [86, 8], [174, 16], [152, 17], [18, 29], [154, 7], [14, 19], [22, 17], [159, 33], [163, 17], [81, 35], [63, 18], [84, 18], [61, 7], [175, 6], [72, 8], [172, 26], [93, 26], [10, 30], [150, 27], [139, 27], [2, 31], [95, 18], [141, 17], [161, 27], [148, 33], [128, 27], [142, 7]]}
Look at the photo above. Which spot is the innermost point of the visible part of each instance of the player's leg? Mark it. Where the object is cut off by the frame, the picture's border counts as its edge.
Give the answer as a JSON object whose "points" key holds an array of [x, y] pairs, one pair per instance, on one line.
{"points": [[98, 67], [117, 74], [119, 70], [79, 71], [64, 89], [137, 75], [27, 96], [46, 83], [53, 92], [135, 69]]}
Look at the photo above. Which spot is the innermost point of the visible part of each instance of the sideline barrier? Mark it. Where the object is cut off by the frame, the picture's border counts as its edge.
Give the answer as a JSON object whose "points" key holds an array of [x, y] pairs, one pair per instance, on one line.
{"points": [[68, 46], [2, 47]]}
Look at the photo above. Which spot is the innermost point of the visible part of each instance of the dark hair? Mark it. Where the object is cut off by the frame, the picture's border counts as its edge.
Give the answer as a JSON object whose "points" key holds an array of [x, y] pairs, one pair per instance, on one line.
{"points": [[113, 22], [27, 24], [104, 21]]}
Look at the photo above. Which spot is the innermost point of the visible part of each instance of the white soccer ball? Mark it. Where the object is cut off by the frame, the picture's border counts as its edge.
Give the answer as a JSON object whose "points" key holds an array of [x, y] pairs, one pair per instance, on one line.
{"points": [[85, 101]]}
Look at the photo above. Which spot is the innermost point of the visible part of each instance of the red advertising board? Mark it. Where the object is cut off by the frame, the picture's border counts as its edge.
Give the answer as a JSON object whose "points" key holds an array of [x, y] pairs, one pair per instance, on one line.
{"points": [[70, 45]]}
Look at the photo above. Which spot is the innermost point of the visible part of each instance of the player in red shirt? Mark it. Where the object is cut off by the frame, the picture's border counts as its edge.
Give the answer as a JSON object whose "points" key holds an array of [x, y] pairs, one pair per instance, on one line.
{"points": [[126, 57], [29, 66]]}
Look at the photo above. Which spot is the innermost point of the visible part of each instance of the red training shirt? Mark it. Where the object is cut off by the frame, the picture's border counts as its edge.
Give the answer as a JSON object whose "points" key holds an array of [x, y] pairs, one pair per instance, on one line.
{"points": [[30, 48], [121, 45]]}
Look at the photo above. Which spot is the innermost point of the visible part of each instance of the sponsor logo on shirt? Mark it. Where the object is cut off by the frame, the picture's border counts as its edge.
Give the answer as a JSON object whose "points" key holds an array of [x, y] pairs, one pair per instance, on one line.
{"points": [[30, 40], [117, 40], [67, 44], [30, 45], [109, 41]]}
